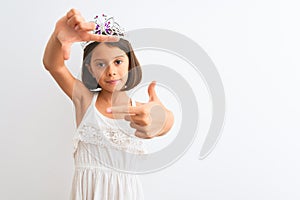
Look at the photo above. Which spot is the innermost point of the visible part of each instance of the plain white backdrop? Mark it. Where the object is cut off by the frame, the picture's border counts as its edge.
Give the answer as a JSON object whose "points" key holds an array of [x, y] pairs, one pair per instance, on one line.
{"points": [[255, 47]]}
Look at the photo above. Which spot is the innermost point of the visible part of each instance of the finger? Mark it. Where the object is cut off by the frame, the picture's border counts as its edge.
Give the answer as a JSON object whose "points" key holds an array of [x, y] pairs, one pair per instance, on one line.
{"points": [[142, 120], [151, 92], [136, 126], [137, 120], [102, 38], [123, 110], [85, 26], [143, 135], [128, 118], [72, 12], [75, 20]]}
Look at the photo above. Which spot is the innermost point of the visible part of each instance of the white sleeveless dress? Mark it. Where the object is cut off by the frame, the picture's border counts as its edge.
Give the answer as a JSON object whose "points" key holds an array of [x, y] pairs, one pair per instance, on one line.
{"points": [[98, 145]]}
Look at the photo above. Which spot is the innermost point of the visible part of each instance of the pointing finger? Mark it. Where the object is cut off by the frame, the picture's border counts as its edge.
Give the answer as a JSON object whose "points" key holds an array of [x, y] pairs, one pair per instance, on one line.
{"points": [[123, 110]]}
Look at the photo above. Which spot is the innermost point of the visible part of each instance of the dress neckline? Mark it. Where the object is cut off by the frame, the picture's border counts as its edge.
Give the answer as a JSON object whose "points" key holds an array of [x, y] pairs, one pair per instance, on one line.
{"points": [[133, 103]]}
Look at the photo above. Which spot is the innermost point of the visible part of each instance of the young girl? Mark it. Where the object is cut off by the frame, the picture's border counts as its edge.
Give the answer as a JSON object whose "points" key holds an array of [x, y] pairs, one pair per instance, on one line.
{"points": [[109, 123]]}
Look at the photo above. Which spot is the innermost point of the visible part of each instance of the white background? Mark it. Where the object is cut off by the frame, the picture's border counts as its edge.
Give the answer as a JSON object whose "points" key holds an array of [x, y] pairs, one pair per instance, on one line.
{"points": [[255, 47]]}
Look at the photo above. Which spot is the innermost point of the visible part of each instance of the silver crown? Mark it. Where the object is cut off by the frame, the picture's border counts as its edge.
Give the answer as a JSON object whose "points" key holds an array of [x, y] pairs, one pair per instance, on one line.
{"points": [[106, 26]]}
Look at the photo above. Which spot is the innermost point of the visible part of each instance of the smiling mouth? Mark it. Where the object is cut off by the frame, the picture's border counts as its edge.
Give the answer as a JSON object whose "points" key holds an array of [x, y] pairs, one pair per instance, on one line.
{"points": [[113, 82]]}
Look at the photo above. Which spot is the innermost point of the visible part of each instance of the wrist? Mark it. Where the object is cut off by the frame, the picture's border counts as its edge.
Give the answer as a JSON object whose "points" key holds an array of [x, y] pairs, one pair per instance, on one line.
{"points": [[55, 39]]}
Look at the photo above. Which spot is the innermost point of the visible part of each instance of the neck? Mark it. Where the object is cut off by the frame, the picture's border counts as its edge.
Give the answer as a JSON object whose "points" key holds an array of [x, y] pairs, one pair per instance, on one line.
{"points": [[117, 98], [105, 97]]}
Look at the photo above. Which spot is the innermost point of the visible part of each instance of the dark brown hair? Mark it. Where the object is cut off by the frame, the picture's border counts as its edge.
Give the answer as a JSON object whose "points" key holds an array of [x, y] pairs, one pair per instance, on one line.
{"points": [[134, 69]]}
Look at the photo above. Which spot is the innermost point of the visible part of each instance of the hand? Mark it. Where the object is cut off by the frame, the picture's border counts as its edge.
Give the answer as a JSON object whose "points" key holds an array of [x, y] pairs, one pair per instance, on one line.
{"points": [[149, 119], [73, 28]]}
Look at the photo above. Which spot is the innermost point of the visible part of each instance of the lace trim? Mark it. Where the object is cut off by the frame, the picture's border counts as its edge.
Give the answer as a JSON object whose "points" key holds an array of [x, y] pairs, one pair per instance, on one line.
{"points": [[109, 137]]}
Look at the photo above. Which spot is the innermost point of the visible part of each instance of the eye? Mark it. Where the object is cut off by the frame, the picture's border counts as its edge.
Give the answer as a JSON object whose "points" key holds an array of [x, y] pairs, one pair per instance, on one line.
{"points": [[118, 62], [100, 64]]}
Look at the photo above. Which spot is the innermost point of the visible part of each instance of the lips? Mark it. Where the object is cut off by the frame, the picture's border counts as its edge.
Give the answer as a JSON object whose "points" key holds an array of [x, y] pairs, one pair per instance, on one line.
{"points": [[113, 82]]}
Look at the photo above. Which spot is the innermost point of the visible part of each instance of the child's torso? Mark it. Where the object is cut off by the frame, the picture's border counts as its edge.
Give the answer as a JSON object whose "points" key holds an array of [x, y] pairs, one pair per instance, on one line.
{"points": [[102, 141]]}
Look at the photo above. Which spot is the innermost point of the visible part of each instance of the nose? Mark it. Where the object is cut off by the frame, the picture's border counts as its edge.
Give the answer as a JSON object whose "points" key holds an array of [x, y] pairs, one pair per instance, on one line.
{"points": [[111, 70]]}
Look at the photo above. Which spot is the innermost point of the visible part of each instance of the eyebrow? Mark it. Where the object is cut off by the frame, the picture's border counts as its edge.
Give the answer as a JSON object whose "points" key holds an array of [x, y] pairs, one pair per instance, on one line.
{"points": [[122, 55]]}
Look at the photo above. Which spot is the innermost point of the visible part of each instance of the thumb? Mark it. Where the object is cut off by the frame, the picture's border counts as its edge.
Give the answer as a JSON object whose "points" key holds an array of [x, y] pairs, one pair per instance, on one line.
{"points": [[66, 48], [151, 92]]}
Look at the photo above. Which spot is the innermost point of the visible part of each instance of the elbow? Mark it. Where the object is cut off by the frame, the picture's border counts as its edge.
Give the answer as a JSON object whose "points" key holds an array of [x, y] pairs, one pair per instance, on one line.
{"points": [[49, 66], [46, 63]]}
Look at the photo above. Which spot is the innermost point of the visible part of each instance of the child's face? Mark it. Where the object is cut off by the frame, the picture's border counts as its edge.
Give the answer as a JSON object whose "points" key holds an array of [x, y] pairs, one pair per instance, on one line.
{"points": [[109, 66]]}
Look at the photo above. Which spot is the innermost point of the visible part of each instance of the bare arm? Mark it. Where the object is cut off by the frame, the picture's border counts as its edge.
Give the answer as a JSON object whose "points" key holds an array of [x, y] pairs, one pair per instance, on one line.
{"points": [[54, 62], [69, 29]]}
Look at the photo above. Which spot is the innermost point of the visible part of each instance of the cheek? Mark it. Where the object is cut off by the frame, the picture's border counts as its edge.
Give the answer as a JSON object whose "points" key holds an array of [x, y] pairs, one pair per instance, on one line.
{"points": [[98, 74], [124, 69]]}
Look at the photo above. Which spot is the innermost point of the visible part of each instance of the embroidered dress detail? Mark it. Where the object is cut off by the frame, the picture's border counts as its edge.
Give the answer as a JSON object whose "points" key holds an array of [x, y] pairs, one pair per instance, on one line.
{"points": [[110, 137]]}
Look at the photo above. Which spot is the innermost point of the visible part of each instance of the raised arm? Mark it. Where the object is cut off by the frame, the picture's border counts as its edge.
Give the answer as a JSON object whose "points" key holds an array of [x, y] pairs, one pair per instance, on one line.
{"points": [[69, 29], [54, 62]]}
